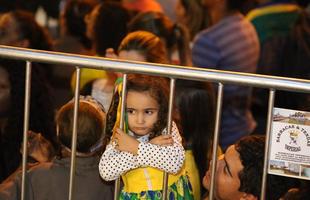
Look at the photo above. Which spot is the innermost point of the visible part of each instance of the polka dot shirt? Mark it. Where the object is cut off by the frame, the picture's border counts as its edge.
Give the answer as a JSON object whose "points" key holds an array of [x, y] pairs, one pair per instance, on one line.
{"points": [[114, 163]]}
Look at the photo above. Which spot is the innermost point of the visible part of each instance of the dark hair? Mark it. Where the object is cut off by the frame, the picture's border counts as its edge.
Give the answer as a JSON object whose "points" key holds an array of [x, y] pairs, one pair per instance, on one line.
{"points": [[147, 44], [29, 29], [74, 14], [196, 16], [91, 124], [299, 193], [195, 102], [251, 150], [174, 35], [158, 88], [235, 4], [110, 26], [41, 115]]}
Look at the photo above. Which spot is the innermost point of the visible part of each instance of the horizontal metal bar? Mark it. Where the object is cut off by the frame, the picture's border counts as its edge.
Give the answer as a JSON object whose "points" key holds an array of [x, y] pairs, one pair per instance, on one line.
{"points": [[172, 71]]}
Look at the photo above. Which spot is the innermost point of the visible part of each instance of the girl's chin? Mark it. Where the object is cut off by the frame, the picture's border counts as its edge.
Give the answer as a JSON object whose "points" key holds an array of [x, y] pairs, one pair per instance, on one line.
{"points": [[140, 133]]}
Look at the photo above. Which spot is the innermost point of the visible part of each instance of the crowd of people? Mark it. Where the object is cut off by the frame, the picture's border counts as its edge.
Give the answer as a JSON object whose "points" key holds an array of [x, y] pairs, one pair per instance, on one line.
{"points": [[256, 36]]}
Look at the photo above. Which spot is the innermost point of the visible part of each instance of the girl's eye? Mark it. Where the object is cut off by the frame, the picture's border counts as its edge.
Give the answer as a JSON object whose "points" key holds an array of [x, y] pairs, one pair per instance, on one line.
{"points": [[130, 111], [149, 112]]}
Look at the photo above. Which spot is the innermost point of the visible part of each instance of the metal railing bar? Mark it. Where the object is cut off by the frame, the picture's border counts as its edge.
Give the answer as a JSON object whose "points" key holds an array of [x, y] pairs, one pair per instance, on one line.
{"points": [[26, 125], [169, 127], [172, 71], [216, 137], [74, 134], [267, 143]]}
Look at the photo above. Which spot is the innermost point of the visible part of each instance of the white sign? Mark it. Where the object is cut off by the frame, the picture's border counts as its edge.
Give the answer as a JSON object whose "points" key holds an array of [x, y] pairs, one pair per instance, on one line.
{"points": [[290, 144]]}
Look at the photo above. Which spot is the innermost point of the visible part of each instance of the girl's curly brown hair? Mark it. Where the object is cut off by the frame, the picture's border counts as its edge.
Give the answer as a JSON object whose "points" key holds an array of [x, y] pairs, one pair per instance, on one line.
{"points": [[158, 88]]}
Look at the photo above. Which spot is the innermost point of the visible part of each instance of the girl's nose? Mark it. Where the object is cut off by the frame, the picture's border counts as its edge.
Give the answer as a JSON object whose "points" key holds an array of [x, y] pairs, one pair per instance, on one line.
{"points": [[140, 118]]}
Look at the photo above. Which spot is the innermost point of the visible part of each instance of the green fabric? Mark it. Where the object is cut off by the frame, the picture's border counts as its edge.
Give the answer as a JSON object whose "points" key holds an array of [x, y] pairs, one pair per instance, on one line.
{"points": [[119, 80], [119, 85], [181, 190], [274, 24]]}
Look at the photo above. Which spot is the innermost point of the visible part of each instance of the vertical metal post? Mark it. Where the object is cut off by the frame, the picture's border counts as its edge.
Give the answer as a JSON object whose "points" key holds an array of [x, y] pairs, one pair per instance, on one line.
{"points": [[74, 134], [169, 127], [216, 137], [267, 142], [122, 120], [26, 125]]}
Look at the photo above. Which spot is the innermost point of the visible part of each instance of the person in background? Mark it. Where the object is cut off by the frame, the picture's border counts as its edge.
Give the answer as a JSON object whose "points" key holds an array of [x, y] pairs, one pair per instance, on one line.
{"points": [[195, 108], [41, 116], [51, 7], [300, 193], [174, 36], [19, 28], [50, 180], [239, 173], [103, 36], [99, 29], [283, 30], [137, 6], [72, 39], [273, 18], [191, 14], [168, 8], [39, 150], [231, 44]]}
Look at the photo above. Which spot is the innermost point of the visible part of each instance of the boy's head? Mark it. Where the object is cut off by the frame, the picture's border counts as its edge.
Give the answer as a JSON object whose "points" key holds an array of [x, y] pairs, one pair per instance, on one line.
{"points": [[90, 124], [239, 171]]}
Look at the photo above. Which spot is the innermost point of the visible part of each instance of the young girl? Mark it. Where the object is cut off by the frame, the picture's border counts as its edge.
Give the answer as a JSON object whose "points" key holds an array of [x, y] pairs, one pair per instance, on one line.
{"points": [[142, 155]]}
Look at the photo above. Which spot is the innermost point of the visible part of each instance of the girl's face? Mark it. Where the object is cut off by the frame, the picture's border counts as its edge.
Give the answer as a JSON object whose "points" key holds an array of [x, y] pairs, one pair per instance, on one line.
{"points": [[131, 55], [142, 111]]}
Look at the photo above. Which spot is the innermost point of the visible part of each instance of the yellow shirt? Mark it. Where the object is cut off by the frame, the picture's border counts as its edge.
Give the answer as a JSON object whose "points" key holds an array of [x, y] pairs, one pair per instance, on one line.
{"points": [[147, 178]]}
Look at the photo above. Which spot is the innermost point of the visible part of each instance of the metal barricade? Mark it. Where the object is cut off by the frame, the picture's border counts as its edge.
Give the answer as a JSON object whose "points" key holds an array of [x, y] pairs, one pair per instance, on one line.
{"points": [[171, 71]]}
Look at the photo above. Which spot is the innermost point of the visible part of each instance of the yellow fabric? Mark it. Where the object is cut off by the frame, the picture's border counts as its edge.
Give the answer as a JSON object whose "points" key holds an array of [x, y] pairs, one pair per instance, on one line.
{"points": [[135, 180], [271, 9], [192, 173], [119, 107], [87, 75]]}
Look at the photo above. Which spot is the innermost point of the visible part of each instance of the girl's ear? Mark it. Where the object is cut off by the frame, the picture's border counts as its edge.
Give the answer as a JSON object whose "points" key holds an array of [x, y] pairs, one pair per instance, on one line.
{"points": [[247, 196]]}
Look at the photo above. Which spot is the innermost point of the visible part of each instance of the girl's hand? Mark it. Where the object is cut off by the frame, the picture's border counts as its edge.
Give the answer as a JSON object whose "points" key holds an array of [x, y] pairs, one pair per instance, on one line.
{"points": [[163, 140], [109, 53], [125, 142]]}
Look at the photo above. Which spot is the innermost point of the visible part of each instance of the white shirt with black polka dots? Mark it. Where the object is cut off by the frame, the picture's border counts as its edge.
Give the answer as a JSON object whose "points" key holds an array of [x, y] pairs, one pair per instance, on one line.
{"points": [[114, 163]]}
